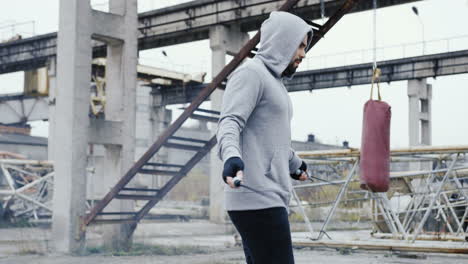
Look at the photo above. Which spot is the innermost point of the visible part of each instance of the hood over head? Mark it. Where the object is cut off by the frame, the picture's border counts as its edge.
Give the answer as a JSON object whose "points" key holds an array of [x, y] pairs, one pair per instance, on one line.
{"points": [[280, 37]]}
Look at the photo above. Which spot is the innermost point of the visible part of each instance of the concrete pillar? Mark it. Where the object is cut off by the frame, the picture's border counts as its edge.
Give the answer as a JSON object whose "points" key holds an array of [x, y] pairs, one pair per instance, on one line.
{"points": [[161, 118], [70, 145], [52, 74], [143, 120], [419, 98], [223, 40], [79, 24], [419, 119], [121, 83]]}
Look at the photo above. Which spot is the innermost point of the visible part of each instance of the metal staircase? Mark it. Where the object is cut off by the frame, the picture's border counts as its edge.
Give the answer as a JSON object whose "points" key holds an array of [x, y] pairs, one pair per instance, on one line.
{"points": [[199, 147]]}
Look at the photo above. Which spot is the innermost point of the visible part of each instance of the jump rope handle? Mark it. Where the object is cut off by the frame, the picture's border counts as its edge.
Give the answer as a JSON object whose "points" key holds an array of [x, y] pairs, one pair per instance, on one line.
{"points": [[237, 182]]}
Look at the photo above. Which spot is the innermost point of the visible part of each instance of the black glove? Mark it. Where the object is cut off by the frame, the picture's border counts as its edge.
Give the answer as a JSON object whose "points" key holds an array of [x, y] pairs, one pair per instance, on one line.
{"points": [[231, 167], [299, 171]]}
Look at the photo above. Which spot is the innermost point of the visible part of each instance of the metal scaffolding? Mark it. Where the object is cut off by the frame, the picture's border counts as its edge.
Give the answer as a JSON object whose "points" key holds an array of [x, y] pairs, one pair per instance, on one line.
{"points": [[436, 191], [29, 188]]}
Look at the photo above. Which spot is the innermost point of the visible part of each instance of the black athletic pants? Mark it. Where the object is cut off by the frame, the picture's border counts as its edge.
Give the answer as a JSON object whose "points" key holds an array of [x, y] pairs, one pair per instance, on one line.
{"points": [[266, 236]]}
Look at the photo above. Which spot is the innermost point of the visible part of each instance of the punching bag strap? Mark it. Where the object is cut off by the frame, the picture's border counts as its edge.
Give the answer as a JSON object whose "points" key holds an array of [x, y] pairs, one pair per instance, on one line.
{"points": [[376, 79]]}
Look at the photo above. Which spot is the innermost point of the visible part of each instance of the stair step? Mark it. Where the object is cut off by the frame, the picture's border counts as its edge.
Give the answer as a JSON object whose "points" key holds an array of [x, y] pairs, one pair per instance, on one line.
{"points": [[113, 221], [182, 146], [193, 140], [140, 189], [208, 111], [205, 118], [204, 110], [158, 172], [164, 165], [117, 213], [134, 197], [310, 22]]}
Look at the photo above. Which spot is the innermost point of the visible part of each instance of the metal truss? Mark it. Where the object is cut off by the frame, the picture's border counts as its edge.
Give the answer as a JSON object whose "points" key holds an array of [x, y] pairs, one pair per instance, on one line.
{"points": [[439, 193], [29, 188], [20, 108]]}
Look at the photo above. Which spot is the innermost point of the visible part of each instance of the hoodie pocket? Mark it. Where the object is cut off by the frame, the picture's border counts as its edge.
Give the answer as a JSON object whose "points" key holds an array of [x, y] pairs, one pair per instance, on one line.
{"points": [[277, 173]]}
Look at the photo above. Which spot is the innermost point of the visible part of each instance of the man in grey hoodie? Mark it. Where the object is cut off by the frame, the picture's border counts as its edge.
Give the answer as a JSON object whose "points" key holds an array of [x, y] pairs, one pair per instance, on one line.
{"points": [[254, 140]]}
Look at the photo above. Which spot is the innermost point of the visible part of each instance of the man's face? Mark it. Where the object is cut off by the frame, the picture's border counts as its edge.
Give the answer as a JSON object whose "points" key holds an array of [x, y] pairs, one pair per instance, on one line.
{"points": [[297, 58]]}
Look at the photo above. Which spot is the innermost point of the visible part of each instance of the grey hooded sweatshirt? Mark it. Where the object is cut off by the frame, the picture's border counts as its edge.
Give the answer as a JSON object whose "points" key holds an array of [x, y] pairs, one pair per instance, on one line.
{"points": [[255, 122]]}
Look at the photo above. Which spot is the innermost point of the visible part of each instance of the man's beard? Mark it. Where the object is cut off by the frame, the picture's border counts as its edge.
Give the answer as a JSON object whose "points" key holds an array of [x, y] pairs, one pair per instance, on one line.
{"points": [[290, 70]]}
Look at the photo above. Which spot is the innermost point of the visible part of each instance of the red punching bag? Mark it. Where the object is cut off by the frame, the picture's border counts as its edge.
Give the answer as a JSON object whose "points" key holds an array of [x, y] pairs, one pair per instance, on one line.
{"points": [[375, 143]]}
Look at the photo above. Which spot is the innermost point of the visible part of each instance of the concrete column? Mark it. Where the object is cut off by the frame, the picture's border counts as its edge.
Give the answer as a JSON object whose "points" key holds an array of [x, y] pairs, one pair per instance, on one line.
{"points": [[419, 98], [223, 40], [161, 118], [143, 120], [52, 75], [70, 145], [420, 112], [121, 86], [79, 24]]}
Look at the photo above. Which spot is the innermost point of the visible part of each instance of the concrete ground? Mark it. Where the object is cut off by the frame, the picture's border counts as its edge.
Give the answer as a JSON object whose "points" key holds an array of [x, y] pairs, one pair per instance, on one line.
{"points": [[235, 256], [216, 242]]}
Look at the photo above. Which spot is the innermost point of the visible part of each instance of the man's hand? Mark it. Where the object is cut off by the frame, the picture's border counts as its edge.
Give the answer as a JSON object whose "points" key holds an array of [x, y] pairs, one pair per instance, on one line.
{"points": [[231, 180], [300, 174], [303, 176], [233, 167]]}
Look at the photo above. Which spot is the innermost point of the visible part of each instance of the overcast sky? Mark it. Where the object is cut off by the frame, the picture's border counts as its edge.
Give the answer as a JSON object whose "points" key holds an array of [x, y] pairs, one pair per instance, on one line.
{"points": [[333, 115]]}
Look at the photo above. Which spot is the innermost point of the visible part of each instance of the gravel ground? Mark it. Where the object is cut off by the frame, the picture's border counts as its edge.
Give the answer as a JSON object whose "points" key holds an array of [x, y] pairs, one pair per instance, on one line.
{"points": [[235, 256], [33, 246]]}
